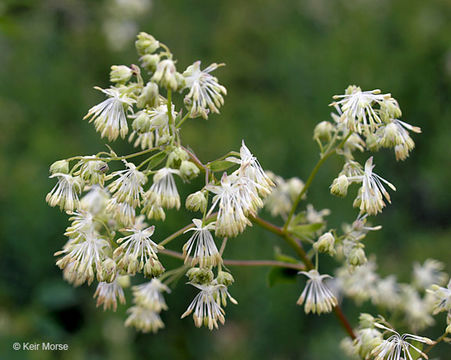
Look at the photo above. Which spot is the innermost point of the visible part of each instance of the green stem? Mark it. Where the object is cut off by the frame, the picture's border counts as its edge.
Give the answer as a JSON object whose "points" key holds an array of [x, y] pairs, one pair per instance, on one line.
{"points": [[182, 121], [309, 181], [297, 247], [441, 338], [116, 158], [249, 263]]}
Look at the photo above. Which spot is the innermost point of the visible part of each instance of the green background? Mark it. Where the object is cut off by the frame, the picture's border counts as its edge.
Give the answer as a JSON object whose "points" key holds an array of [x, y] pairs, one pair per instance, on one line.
{"points": [[285, 60]]}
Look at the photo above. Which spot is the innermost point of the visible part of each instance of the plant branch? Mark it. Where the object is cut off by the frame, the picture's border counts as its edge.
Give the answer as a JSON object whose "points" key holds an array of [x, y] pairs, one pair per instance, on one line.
{"points": [[282, 264], [312, 175]]}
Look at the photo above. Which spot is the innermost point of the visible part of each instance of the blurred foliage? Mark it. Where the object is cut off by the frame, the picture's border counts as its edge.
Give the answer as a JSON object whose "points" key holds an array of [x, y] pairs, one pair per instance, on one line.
{"points": [[285, 60]]}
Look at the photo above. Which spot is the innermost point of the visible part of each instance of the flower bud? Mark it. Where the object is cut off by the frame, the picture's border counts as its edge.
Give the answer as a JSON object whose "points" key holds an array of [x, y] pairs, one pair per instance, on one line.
{"points": [[149, 96], [176, 157], [109, 270], [366, 320], [357, 257], [181, 81], [150, 62], [225, 278], [325, 244], [60, 166], [146, 44], [188, 170], [200, 275], [323, 131], [339, 186], [124, 281], [372, 142], [120, 73], [142, 122], [196, 201], [165, 75], [153, 268]]}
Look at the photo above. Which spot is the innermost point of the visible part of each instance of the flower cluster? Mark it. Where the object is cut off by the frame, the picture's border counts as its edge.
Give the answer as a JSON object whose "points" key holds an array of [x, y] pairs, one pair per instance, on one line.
{"points": [[115, 202]]}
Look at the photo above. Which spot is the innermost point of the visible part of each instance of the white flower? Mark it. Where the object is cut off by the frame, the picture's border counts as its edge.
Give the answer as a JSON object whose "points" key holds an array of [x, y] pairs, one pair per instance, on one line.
{"points": [[150, 295], [314, 217], [128, 187], [109, 116], [251, 168], [108, 293], [205, 92], [143, 140], [371, 194], [417, 310], [84, 257], [95, 201], [397, 347], [428, 274], [136, 249], [387, 293], [82, 223], [163, 191], [281, 199], [442, 298], [123, 212], [360, 283], [202, 245], [206, 305], [317, 296], [65, 192], [144, 319], [231, 219], [394, 134], [357, 113]]}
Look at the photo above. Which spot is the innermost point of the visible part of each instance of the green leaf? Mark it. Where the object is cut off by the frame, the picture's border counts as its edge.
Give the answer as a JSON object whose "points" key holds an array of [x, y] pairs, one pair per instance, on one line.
{"points": [[279, 275], [156, 160], [220, 165], [305, 230], [413, 353]]}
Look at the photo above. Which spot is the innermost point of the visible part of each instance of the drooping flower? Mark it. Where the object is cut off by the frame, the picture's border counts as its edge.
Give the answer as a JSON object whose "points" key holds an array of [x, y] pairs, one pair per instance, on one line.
{"points": [[65, 193], [137, 249], [397, 347], [121, 211], [95, 200], [206, 305], [144, 319], [108, 294], [251, 168], [317, 296], [82, 223], [357, 112], [371, 194], [128, 187], [231, 219], [83, 258], [205, 93], [163, 191], [150, 295], [201, 248], [395, 135], [110, 115]]}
